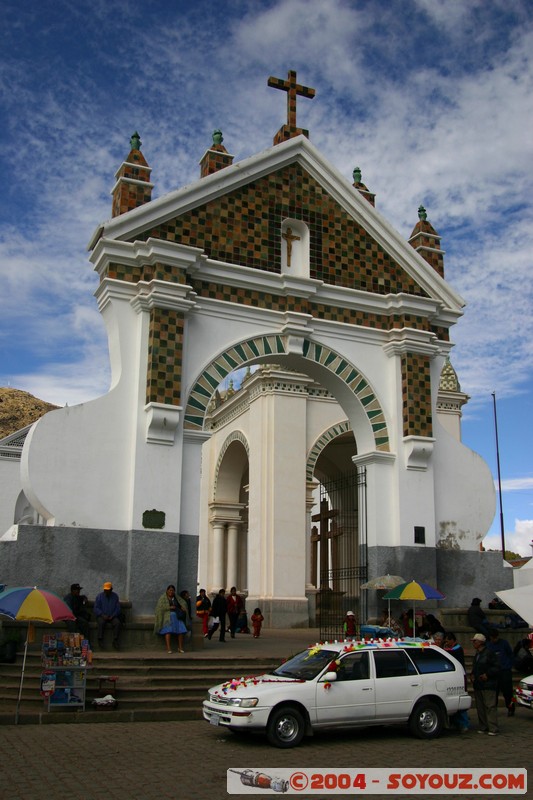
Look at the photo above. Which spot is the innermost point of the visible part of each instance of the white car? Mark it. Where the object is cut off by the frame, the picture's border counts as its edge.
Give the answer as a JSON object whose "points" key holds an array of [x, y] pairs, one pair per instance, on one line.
{"points": [[345, 685], [524, 692]]}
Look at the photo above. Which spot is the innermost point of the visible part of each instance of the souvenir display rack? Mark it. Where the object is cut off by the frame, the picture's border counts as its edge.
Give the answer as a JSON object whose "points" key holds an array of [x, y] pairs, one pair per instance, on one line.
{"points": [[65, 659]]}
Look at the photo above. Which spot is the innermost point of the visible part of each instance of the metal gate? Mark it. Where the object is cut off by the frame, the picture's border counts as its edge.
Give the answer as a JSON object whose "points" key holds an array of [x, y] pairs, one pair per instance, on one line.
{"points": [[343, 553]]}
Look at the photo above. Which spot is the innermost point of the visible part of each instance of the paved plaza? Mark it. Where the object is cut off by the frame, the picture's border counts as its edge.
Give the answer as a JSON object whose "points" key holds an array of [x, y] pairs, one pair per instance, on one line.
{"points": [[156, 760]]}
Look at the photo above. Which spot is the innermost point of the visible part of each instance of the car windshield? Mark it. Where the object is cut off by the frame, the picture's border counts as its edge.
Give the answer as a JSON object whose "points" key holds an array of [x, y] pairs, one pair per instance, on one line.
{"points": [[306, 665]]}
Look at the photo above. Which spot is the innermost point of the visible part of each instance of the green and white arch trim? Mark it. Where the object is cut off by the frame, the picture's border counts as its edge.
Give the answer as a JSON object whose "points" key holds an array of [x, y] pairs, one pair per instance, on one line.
{"points": [[273, 345], [321, 443]]}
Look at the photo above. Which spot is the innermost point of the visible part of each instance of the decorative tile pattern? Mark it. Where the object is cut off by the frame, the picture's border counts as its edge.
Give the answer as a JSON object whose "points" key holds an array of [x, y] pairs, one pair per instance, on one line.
{"points": [[129, 191], [165, 354], [244, 227], [148, 272], [416, 395]]}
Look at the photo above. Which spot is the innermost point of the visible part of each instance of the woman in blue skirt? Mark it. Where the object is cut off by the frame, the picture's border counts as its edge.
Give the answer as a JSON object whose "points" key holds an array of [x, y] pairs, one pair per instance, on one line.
{"points": [[171, 617]]}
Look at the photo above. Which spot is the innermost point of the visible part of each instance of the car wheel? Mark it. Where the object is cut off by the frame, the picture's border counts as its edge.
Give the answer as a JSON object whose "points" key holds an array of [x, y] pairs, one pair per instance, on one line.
{"points": [[286, 727], [426, 720]]}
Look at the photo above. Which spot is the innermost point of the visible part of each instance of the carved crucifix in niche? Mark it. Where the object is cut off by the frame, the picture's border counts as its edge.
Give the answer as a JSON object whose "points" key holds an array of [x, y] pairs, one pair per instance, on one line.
{"points": [[289, 238]]}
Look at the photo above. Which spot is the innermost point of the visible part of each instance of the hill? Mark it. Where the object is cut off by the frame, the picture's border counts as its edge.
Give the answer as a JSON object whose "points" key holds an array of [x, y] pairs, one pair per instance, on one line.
{"points": [[18, 409]]}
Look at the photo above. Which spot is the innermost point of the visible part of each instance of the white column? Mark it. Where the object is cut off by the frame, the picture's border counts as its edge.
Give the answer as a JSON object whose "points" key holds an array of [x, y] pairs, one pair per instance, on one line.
{"points": [[232, 562], [218, 555], [310, 498]]}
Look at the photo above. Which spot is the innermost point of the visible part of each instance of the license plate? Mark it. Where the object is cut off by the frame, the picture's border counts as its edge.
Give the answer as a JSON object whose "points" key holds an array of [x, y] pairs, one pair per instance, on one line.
{"points": [[214, 719]]}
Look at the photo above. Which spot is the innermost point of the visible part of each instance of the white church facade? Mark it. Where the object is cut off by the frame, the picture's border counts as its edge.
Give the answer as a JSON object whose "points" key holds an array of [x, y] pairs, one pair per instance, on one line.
{"points": [[278, 267]]}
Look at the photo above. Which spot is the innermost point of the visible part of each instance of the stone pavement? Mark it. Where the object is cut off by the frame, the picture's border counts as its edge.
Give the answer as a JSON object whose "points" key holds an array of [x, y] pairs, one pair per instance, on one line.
{"points": [[157, 760]]}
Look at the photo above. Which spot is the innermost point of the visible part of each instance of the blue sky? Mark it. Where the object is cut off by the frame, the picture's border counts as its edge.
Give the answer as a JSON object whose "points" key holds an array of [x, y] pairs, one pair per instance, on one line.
{"points": [[432, 99]]}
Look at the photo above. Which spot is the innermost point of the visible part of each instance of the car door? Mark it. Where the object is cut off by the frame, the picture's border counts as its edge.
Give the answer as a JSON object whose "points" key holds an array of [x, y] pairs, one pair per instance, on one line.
{"points": [[350, 697], [397, 685]]}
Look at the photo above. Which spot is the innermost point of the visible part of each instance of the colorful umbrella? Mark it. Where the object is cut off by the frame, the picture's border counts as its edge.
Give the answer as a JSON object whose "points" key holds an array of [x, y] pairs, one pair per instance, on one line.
{"points": [[30, 604], [383, 582], [413, 590]]}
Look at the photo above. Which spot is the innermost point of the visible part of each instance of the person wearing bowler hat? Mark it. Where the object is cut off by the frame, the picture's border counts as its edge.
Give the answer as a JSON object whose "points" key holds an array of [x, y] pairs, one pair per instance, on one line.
{"points": [[107, 612], [77, 603], [484, 676]]}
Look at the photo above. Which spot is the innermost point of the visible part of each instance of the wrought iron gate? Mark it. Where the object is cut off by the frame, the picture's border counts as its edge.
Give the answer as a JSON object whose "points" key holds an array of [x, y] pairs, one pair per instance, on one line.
{"points": [[343, 556]]}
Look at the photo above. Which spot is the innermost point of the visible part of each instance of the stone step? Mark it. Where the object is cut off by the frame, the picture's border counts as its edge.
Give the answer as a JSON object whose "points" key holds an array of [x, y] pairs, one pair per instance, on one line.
{"points": [[146, 686]]}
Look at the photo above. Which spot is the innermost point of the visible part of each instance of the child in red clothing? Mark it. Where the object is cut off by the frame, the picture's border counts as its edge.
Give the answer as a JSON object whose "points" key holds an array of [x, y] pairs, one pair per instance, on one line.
{"points": [[257, 620]]}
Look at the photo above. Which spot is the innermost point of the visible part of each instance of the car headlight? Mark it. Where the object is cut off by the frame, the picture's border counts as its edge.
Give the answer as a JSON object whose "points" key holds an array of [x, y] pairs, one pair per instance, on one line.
{"points": [[523, 685], [244, 702]]}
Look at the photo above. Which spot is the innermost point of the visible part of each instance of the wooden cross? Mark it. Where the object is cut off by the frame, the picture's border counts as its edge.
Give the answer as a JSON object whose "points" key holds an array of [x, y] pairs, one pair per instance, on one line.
{"points": [[289, 238], [293, 89], [323, 536]]}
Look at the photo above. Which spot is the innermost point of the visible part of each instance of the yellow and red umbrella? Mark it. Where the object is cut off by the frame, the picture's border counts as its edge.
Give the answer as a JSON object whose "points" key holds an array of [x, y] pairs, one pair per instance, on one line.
{"points": [[30, 604]]}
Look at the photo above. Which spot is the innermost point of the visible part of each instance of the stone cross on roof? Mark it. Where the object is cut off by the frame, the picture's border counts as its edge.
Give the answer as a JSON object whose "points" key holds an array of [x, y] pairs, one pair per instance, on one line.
{"points": [[293, 89]]}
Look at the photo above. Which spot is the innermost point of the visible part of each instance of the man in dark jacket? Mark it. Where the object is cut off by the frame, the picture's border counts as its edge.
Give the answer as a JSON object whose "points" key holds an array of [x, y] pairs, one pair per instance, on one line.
{"points": [[218, 611], [77, 604], [504, 651], [484, 676]]}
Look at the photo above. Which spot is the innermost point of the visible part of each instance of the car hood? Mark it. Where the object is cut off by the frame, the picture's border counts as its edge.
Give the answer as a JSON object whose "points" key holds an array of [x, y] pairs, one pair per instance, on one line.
{"points": [[247, 686]]}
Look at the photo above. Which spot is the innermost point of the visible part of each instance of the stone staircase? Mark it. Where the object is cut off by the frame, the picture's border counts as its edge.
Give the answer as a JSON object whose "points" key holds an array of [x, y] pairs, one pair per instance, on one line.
{"points": [[148, 687]]}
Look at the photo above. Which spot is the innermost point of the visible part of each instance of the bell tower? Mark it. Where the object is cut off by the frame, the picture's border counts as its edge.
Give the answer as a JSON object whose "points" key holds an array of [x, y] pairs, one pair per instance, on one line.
{"points": [[132, 187]]}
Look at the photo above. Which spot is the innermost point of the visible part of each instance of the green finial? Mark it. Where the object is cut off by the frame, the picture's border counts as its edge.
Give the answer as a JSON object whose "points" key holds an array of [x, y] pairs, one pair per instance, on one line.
{"points": [[422, 215], [357, 175], [135, 141], [217, 137]]}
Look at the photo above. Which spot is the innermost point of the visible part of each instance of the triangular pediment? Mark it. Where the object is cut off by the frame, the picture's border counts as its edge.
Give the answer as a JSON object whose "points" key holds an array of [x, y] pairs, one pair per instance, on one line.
{"points": [[234, 216]]}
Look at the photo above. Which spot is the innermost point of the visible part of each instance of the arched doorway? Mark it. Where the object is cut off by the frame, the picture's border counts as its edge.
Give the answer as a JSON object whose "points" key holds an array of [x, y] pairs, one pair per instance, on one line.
{"points": [[272, 438], [338, 548], [228, 516]]}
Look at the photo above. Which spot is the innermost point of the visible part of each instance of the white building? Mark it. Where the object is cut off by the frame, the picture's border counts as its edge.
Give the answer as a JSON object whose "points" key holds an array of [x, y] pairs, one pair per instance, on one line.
{"points": [[275, 261]]}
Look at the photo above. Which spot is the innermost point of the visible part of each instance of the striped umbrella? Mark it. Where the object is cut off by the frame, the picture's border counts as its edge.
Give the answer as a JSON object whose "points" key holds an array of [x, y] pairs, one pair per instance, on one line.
{"points": [[30, 604], [414, 590]]}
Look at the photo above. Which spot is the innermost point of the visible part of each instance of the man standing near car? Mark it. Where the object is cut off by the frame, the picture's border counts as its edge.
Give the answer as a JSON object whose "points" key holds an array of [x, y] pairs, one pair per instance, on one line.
{"points": [[484, 676]]}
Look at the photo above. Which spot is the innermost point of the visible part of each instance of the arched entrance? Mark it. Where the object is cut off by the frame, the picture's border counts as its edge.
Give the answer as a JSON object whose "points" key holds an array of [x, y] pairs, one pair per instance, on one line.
{"points": [[283, 433], [338, 548], [228, 515]]}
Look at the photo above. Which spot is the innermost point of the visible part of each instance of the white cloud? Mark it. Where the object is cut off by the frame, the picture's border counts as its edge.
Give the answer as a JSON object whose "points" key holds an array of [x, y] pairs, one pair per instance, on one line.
{"points": [[446, 126], [518, 541], [517, 485]]}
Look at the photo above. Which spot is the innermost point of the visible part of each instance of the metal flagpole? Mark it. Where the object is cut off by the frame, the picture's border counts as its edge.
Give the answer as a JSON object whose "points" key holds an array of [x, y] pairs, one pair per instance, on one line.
{"points": [[502, 528]]}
